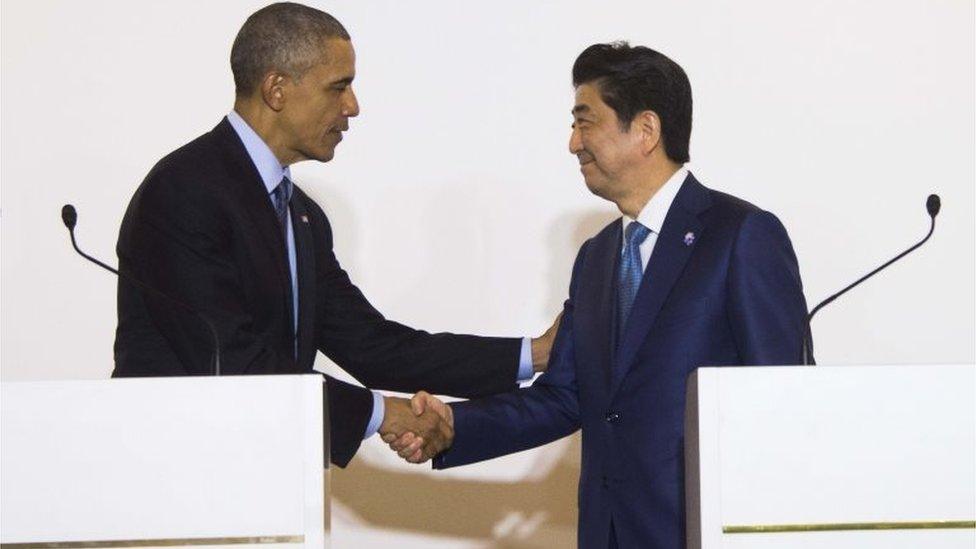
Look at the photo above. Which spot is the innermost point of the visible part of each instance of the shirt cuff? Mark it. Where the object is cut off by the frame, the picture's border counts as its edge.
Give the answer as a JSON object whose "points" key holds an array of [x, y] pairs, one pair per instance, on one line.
{"points": [[379, 410], [525, 371]]}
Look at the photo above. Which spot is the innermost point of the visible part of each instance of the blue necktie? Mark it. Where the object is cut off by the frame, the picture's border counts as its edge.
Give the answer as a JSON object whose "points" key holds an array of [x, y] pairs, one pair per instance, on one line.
{"points": [[630, 274], [281, 195]]}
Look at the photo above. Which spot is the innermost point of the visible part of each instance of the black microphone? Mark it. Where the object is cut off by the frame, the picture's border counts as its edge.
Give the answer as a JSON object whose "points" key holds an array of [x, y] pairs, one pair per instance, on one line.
{"points": [[70, 218], [933, 204]]}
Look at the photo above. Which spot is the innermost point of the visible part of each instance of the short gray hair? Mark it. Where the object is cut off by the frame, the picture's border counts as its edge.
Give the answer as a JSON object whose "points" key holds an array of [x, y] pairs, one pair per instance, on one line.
{"points": [[285, 36]]}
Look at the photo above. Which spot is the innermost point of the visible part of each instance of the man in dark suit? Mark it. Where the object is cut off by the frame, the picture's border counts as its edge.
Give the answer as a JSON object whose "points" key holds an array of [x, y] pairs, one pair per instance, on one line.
{"points": [[689, 277], [219, 225]]}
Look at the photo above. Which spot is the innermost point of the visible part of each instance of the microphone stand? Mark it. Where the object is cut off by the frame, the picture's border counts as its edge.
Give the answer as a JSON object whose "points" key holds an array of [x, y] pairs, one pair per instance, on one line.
{"points": [[70, 217], [933, 205]]}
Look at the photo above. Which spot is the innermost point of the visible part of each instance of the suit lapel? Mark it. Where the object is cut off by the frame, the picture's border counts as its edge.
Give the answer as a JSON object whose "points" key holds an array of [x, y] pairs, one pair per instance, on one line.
{"points": [[305, 256], [667, 261]]}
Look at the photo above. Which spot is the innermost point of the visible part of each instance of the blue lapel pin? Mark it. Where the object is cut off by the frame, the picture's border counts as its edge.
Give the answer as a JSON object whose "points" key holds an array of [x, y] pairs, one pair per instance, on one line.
{"points": [[689, 238]]}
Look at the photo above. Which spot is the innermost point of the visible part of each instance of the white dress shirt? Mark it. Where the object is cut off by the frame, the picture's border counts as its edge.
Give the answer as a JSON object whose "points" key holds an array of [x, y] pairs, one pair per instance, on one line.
{"points": [[653, 214]]}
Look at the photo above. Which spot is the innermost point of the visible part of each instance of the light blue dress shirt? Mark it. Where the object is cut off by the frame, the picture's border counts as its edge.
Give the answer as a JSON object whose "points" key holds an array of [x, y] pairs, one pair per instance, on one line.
{"points": [[272, 172]]}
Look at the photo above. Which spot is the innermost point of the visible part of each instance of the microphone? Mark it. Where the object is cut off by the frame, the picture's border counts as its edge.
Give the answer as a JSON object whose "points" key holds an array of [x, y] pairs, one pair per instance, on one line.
{"points": [[933, 204], [70, 218]]}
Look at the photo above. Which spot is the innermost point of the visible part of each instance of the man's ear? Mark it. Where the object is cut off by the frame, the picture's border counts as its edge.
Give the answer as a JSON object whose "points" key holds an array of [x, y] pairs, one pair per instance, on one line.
{"points": [[273, 90], [648, 124]]}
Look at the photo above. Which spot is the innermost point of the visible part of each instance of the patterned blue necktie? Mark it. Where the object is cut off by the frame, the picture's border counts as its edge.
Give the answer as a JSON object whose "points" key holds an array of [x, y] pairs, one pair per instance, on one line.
{"points": [[631, 272], [281, 195]]}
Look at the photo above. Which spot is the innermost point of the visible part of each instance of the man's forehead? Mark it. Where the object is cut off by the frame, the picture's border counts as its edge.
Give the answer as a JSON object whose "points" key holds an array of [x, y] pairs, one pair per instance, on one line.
{"points": [[339, 50], [338, 59], [587, 99]]}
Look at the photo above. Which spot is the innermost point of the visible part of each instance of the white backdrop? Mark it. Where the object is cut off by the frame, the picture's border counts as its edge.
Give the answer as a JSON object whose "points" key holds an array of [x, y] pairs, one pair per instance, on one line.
{"points": [[456, 205]]}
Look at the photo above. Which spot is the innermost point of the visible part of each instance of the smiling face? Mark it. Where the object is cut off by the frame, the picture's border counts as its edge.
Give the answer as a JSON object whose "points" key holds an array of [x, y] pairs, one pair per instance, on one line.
{"points": [[608, 156], [319, 104]]}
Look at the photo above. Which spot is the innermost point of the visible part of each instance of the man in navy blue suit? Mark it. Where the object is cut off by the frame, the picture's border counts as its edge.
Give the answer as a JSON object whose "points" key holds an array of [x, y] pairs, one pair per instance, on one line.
{"points": [[688, 277]]}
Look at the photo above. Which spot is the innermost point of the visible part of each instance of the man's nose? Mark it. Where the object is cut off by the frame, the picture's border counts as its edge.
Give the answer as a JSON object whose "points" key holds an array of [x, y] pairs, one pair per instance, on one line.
{"points": [[351, 107], [575, 143]]}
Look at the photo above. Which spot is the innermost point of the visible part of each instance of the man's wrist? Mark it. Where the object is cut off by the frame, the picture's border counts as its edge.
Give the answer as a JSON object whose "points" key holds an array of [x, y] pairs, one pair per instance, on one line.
{"points": [[376, 419], [540, 353]]}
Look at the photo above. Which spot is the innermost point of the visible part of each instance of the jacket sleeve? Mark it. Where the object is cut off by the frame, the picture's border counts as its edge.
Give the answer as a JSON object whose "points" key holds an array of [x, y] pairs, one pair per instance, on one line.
{"points": [[767, 308], [384, 354], [347, 412], [525, 418]]}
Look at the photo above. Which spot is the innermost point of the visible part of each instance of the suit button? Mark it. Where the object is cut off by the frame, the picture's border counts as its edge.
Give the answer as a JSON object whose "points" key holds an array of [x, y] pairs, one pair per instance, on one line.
{"points": [[612, 416]]}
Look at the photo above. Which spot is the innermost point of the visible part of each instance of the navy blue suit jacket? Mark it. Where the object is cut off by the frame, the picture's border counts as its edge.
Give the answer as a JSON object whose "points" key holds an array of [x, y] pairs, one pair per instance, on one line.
{"points": [[731, 296]]}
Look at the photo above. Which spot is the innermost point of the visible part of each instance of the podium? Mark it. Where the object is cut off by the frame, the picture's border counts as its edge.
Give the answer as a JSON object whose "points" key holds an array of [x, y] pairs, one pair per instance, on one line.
{"points": [[164, 462], [873, 456]]}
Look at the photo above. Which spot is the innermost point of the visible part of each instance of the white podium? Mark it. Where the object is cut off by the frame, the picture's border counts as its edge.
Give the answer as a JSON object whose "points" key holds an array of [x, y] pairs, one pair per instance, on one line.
{"points": [[874, 456], [164, 462]]}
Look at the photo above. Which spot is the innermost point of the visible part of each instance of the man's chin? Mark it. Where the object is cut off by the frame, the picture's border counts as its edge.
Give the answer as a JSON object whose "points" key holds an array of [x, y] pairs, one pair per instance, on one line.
{"points": [[598, 188], [321, 156]]}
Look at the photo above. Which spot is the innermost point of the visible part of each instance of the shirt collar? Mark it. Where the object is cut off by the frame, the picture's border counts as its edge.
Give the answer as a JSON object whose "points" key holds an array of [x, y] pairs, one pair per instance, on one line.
{"points": [[270, 170], [654, 212]]}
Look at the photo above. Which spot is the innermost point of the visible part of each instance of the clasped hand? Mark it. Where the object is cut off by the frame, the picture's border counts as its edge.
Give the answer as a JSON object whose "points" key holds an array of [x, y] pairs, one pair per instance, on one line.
{"points": [[417, 429]]}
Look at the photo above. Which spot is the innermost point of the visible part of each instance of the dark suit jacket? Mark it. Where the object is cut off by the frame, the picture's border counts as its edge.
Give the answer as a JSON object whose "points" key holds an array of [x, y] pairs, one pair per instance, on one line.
{"points": [[732, 296], [202, 229]]}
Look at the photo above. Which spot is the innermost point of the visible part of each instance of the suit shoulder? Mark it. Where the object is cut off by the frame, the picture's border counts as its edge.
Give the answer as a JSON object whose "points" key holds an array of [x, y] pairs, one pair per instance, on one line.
{"points": [[733, 206], [187, 174], [747, 222], [740, 213], [196, 157], [179, 184]]}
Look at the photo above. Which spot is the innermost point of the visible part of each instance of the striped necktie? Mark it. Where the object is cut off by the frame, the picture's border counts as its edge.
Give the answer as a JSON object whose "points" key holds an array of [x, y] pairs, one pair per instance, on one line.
{"points": [[281, 195], [630, 273]]}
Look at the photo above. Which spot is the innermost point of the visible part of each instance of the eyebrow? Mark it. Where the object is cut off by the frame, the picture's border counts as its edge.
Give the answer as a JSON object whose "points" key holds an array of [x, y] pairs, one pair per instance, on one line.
{"points": [[347, 80], [580, 109]]}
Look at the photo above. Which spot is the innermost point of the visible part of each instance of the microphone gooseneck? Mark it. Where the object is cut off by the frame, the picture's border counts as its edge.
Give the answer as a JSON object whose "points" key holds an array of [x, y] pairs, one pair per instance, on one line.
{"points": [[70, 218], [933, 204]]}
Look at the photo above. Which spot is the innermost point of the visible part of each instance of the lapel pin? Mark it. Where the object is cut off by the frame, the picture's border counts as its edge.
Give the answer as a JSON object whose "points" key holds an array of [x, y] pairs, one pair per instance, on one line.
{"points": [[689, 238], [304, 219]]}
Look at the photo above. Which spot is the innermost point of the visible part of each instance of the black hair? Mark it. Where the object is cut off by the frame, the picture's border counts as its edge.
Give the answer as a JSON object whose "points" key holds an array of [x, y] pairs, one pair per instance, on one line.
{"points": [[633, 79], [285, 36]]}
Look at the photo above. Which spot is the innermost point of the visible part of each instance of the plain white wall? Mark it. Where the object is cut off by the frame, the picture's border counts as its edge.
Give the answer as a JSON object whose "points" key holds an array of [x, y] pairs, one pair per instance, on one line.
{"points": [[456, 205]]}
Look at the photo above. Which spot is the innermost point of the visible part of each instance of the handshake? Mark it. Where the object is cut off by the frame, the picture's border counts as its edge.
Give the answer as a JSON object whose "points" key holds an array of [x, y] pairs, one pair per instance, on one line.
{"points": [[422, 427], [417, 429]]}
